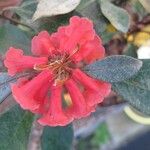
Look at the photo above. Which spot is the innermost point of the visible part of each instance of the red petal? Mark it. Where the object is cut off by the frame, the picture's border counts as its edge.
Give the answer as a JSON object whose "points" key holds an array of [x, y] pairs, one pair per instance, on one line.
{"points": [[43, 100], [30, 94], [79, 107], [42, 44], [78, 32], [90, 51], [16, 62], [95, 91], [55, 116]]}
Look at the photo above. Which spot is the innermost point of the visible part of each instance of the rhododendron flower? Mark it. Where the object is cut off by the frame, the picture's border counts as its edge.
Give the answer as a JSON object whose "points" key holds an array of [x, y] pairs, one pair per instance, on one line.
{"points": [[56, 69]]}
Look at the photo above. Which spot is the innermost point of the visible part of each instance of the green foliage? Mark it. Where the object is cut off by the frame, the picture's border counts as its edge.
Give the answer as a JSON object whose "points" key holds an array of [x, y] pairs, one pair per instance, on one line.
{"points": [[26, 10], [146, 4], [101, 135], [47, 8], [11, 36], [15, 126], [57, 138], [116, 15], [138, 8], [107, 36], [131, 50], [91, 10], [51, 25], [137, 89], [114, 68]]}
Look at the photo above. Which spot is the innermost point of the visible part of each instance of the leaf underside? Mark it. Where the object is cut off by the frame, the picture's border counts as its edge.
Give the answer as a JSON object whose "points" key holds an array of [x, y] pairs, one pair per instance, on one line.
{"points": [[137, 89], [114, 68]]}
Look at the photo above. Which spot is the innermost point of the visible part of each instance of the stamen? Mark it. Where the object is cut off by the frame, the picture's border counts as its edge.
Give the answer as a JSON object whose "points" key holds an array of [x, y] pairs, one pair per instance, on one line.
{"points": [[60, 65], [74, 52], [40, 67]]}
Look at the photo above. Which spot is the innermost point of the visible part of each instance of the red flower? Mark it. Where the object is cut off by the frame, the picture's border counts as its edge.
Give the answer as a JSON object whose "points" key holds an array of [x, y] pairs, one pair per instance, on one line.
{"points": [[57, 71]]}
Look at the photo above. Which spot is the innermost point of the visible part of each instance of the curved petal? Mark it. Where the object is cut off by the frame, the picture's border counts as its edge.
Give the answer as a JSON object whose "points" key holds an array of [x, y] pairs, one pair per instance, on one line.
{"points": [[90, 51], [56, 115], [43, 100], [42, 44], [96, 97], [79, 31], [95, 91], [79, 107], [16, 62], [30, 94]]}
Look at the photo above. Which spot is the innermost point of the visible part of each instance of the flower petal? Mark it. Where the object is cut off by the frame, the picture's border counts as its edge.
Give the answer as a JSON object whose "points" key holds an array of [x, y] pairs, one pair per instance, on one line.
{"points": [[16, 62], [90, 51], [56, 115], [42, 44], [43, 100], [95, 91], [77, 33], [79, 107], [30, 94]]}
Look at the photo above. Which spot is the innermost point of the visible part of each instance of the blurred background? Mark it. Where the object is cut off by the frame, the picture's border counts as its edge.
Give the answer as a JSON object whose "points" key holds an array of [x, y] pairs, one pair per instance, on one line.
{"points": [[112, 130]]}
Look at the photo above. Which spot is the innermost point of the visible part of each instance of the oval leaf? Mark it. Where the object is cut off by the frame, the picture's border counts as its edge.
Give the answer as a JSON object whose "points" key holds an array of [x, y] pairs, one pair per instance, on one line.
{"points": [[89, 8], [11, 36], [26, 10], [137, 89], [15, 126], [146, 4], [116, 15], [57, 138], [114, 68], [47, 8]]}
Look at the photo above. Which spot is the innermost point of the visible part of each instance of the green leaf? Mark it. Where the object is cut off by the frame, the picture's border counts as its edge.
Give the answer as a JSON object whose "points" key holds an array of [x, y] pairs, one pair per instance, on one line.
{"points": [[52, 24], [146, 4], [137, 89], [138, 8], [116, 15], [107, 36], [57, 138], [15, 126], [26, 10], [90, 9], [101, 136], [130, 50], [114, 68], [47, 8], [11, 36]]}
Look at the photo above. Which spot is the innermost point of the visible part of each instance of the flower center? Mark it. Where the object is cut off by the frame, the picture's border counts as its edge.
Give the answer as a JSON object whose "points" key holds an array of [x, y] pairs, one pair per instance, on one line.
{"points": [[60, 65]]}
